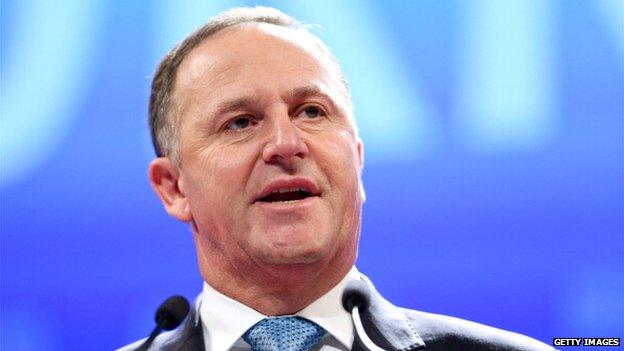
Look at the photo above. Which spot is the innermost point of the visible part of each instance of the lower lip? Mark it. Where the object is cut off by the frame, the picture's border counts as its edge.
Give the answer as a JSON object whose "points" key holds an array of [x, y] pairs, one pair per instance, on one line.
{"points": [[288, 205]]}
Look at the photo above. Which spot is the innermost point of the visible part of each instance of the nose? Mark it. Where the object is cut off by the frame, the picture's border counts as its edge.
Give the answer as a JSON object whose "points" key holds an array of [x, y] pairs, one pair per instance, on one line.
{"points": [[284, 143]]}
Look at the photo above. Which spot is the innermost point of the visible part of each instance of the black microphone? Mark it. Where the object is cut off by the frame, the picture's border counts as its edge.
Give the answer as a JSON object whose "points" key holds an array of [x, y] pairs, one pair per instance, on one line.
{"points": [[168, 316], [356, 299]]}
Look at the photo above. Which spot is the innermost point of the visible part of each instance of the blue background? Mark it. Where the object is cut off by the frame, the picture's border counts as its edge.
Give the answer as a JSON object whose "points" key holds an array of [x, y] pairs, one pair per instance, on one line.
{"points": [[494, 163]]}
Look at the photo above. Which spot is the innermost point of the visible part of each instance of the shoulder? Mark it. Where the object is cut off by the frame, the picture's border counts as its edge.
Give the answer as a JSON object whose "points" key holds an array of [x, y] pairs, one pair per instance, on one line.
{"points": [[405, 329], [441, 332], [188, 336], [177, 339]]}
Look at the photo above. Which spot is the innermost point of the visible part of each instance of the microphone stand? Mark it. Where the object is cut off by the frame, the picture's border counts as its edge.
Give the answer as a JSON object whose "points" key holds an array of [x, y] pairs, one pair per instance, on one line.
{"points": [[355, 297], [168, 316], [146, 344], [361, 333]]}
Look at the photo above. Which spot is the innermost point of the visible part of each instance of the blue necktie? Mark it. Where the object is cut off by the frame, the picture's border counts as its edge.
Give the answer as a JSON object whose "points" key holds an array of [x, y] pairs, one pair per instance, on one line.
{"points": [[283, 334]]}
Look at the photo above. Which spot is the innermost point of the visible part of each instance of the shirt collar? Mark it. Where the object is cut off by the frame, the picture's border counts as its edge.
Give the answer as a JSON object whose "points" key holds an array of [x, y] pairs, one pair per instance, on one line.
{"points": [[225, 320]]}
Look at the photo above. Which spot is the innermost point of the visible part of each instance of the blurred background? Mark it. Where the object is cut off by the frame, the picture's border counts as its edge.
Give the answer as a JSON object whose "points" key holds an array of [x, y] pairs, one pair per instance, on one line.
{"points": [[494, 162]]}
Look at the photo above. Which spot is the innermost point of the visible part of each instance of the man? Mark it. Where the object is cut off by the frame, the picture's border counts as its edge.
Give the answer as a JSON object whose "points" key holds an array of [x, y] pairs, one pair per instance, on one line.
{"points": [[259, 153]]}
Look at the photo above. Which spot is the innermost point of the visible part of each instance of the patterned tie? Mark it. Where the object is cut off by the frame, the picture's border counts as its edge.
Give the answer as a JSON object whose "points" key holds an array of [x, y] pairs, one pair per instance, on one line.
{"points": [[283, 334]]}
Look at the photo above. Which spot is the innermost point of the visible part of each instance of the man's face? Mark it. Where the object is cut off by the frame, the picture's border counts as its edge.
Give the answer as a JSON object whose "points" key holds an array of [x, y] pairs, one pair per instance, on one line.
{"points": [[269, 159]]}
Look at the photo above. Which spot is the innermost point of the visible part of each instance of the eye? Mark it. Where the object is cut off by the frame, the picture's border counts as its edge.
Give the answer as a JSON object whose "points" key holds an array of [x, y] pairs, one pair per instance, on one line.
{"points": [[312, 111], [239, 123]]}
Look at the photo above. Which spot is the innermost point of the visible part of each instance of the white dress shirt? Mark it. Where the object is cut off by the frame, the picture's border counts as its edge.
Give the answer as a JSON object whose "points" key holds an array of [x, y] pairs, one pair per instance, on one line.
{"points": [[225, 320]]}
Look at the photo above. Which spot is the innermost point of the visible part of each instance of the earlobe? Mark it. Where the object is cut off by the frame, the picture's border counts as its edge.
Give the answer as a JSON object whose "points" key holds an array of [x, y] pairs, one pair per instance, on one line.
{"points": [[164, 177]]}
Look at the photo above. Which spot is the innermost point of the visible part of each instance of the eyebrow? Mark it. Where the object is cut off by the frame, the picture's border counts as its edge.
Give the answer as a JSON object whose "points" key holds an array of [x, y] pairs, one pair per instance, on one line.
{"points": [[300, 93], [312, 90], [242, 103]]}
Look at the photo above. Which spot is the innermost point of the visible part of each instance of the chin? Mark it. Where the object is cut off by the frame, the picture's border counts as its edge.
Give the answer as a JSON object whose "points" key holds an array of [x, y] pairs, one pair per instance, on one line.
{"points": [[290, 269], [292, 254]]}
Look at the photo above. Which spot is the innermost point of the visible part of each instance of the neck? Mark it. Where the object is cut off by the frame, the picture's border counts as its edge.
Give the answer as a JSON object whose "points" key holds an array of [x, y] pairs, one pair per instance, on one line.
{"points": [[274, 289]]}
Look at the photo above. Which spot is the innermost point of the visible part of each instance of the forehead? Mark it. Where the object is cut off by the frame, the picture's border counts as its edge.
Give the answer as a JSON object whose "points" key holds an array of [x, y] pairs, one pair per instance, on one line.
{"points": [[253, 41], [255, 54]]}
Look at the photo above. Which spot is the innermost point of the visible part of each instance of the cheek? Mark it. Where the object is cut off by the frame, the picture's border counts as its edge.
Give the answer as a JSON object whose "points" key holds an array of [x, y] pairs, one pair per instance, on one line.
{"points": [[341, 150], [339, 161], [219, 181]]}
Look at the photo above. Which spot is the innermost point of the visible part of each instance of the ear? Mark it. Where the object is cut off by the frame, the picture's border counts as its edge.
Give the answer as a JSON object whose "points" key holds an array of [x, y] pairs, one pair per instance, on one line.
{"points": [[360, 151], [164, 176]]}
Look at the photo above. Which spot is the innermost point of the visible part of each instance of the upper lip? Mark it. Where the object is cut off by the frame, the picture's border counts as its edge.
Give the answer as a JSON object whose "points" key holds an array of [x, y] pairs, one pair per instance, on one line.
{"points": [[289, 183]]}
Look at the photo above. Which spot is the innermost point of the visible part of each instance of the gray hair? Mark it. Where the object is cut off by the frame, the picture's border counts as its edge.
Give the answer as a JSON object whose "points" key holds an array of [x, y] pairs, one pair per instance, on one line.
{"points": [[163, 121]]}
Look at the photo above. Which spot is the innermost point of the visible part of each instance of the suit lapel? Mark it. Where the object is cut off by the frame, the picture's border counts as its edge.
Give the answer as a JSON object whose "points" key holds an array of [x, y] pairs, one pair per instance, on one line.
{"points": [[387, 326]]}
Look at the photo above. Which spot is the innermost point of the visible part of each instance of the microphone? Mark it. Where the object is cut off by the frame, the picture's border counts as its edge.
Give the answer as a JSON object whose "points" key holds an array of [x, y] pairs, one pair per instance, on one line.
{"points": [[168, 316], [356, 299]]}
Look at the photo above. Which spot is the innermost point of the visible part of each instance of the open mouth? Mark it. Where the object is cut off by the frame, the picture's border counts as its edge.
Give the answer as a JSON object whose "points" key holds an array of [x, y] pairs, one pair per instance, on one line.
{"points": [[286, 195]]}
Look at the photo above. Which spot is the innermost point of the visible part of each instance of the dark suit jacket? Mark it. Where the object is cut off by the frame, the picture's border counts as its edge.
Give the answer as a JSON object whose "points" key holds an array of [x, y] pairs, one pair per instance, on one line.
{"points": [[390, 327]]}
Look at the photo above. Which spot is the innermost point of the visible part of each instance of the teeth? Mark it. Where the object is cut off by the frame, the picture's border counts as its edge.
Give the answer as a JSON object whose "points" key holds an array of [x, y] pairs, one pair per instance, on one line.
{"points": [[288, 190]]}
